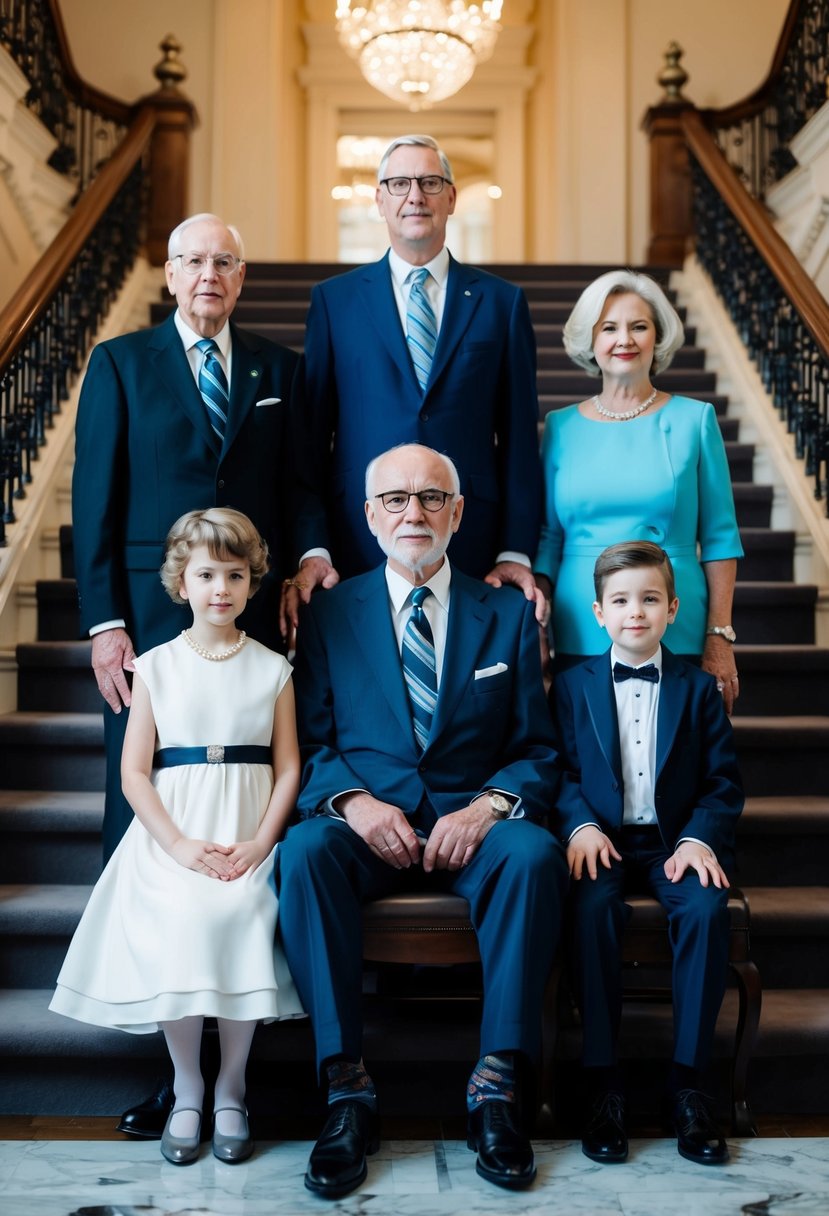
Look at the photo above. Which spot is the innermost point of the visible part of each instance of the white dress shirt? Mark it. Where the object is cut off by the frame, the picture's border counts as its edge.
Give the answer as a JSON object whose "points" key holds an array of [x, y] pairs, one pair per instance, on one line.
{"points": [[637, 706]]}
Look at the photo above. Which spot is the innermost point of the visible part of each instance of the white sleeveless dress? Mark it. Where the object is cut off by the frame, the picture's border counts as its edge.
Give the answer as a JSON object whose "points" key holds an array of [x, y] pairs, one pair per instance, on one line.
{"points": [[158, 942]]}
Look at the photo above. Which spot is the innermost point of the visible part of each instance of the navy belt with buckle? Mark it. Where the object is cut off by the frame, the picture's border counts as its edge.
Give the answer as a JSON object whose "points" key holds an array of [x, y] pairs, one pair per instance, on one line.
{"points": [[214, 753]]}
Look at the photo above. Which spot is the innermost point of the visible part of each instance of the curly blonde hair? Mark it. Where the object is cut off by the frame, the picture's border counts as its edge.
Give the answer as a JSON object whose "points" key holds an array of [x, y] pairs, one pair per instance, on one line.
{"points": [[226, 534]]}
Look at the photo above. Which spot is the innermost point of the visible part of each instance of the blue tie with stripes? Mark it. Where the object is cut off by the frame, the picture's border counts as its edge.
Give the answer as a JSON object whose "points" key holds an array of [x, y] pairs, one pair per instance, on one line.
{"points": [[419, 668], [213, 386], [421, 327]]}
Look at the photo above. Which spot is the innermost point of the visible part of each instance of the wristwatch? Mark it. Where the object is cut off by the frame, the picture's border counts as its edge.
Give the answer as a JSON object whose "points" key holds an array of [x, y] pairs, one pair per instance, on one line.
{"points": [[721, 631], [499, 806]]}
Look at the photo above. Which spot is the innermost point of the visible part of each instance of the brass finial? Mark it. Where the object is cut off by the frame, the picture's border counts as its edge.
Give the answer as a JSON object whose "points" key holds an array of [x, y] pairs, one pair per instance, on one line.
{"points": [[170, 71], [673, 76]]}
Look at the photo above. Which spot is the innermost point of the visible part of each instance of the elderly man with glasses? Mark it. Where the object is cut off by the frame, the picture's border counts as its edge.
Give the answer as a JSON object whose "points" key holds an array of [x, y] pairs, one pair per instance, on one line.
{"points": [[191, 413], [418, 348], [428, 763]]}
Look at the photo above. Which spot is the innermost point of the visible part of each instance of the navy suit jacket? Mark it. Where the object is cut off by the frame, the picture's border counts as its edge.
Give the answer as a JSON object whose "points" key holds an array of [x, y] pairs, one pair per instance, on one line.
{"points": [[480, 407], [354, 719], [145, 454], [698, 787]]}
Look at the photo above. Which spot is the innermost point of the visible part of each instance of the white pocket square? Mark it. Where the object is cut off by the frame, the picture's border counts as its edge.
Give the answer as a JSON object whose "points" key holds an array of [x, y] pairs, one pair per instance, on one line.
{"points": [[494, 670], [268, 401]]}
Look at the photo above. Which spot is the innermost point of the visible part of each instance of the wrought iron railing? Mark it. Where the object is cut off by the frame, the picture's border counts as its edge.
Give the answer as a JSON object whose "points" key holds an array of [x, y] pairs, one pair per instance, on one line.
{"points": [[108, 148], [755, 134], [791, 360], [87, 124], [711, 171], [39, 361]]}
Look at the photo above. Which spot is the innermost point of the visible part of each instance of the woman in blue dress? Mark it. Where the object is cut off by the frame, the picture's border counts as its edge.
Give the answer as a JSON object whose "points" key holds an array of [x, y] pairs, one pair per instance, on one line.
{"points": [[635, 463]]}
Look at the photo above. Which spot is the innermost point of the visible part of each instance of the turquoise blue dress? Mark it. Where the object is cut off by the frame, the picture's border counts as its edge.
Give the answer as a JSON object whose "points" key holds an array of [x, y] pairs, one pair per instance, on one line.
{"points": [[662, 477]]}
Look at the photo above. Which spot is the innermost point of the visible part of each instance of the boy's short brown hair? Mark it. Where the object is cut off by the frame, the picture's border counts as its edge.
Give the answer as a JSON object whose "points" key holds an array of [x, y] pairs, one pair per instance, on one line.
{"points": [[226, 534], [628, 555]]}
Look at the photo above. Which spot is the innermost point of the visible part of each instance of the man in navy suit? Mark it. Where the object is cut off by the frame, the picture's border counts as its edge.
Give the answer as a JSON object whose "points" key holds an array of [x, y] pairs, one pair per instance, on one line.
{"points": [[147, 451], [393, 800], [475, 399], [650, 797]]}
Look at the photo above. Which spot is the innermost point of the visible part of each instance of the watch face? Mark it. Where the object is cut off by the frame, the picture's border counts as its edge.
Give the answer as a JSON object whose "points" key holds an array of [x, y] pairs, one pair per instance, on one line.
{"points": [[723, 631], [500, 806]]}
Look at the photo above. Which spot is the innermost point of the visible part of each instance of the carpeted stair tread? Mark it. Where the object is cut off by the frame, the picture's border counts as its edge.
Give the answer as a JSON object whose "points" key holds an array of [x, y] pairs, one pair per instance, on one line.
{"points": [[70, 653], [29, 727], [779, 815], [35, 910], [787, 911], [46, 811]]}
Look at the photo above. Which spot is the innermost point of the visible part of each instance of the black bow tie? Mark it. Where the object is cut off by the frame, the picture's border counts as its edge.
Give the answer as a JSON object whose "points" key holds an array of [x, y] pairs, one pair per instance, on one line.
{"points": [[649, 672]]}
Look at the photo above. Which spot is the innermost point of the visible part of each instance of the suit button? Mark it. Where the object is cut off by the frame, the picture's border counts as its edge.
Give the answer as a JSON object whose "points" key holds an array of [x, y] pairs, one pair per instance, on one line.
{"points": [[424, 417], [221, 484], [615, 787]]}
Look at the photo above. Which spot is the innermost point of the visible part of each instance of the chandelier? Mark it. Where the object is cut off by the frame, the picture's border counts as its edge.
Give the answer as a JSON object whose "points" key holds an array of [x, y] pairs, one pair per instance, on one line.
{"points": [[418, 51]]}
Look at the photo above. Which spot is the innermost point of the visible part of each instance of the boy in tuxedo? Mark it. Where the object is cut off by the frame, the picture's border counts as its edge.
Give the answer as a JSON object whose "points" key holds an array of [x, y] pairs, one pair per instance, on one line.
{"points": [[650, 797]]}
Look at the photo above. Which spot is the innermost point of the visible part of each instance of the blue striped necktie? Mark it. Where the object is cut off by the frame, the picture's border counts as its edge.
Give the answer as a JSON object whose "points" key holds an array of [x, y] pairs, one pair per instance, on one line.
{"points": [[419, 667], [421, 327], [213, 386]]}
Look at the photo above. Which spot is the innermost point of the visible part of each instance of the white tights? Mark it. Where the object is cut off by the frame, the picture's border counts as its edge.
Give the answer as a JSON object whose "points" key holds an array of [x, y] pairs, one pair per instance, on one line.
{"points": [[183, 1039]]}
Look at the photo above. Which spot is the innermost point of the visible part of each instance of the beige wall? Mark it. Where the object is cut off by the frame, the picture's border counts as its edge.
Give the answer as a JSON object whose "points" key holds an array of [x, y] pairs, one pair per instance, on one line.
{"points": [[595, 64]]}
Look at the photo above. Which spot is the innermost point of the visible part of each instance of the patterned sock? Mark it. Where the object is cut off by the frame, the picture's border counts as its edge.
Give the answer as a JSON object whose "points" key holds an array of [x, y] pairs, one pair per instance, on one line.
{"points": [[492, 1078], [351, 1082]]}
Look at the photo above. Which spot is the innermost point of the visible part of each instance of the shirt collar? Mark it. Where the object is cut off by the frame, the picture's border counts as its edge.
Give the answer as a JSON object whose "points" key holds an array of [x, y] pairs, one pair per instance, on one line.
{"points": [[438, 267], [189, 336], [400, 588], [656, 659]]}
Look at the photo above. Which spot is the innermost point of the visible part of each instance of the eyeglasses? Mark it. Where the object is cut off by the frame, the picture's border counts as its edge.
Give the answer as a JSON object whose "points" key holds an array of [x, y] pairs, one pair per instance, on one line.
{"points": [[402, 185], [396, 501], [195, 263]]}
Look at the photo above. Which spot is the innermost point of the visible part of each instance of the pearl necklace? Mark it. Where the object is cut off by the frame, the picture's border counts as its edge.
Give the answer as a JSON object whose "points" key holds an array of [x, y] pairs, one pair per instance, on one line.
{"points": [[212, 655], [628, 414]]}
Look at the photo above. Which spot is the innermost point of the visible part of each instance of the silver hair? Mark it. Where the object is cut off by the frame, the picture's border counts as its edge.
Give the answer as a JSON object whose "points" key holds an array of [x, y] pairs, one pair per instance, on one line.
{"points": [[416, 141], [451, 468], [176, 234], [578, 331]]}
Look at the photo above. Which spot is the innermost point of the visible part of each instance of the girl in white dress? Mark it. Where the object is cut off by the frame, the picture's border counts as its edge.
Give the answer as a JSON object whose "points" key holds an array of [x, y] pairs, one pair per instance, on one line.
{"points": [[181, 924]]}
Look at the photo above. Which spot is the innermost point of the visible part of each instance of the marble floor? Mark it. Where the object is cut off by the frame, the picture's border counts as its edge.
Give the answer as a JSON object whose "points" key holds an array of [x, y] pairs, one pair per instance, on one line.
{"points": [[773, 1177]]}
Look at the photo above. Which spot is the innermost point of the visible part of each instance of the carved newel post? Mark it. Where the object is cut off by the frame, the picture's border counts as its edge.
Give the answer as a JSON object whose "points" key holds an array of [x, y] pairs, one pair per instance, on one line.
{"points": [[671, 222], [169, 166]]}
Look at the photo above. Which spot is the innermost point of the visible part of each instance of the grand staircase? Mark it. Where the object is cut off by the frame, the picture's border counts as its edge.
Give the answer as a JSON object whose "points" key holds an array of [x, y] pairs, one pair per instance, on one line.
{"points": [[52, 765]]}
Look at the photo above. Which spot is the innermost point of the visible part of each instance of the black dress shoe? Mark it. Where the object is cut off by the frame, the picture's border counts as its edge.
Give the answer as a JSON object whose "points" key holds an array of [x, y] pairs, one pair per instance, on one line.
{"points": [[505, 1155], [605, 1137], [149, 1118], [338, 1159], [697, 1136]]}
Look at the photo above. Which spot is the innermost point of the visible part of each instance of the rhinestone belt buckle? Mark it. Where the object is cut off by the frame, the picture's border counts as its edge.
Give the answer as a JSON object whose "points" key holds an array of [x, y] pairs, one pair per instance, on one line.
{"points": [[215, 753]]}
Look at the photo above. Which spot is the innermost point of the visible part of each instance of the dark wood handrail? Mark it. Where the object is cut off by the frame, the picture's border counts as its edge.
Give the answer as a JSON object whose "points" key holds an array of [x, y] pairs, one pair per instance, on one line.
{"points": [[753, 218], [86, 94], [49, 271], [757, 101]]}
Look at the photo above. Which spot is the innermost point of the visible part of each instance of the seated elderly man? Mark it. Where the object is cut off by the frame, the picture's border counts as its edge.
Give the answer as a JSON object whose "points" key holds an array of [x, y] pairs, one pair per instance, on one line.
{"points": [[428, 763]]}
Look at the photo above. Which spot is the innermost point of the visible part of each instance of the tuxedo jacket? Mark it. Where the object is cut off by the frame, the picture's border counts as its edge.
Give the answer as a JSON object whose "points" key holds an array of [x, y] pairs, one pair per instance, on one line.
{"points": [[698, 787], [146, 453], [480, 407], [491, 725]]}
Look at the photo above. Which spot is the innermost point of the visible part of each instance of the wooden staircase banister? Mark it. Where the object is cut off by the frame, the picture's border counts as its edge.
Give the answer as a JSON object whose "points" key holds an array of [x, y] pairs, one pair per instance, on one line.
{"points": [[753, 218], [83, 93], [44, 280], [756, 101]]}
